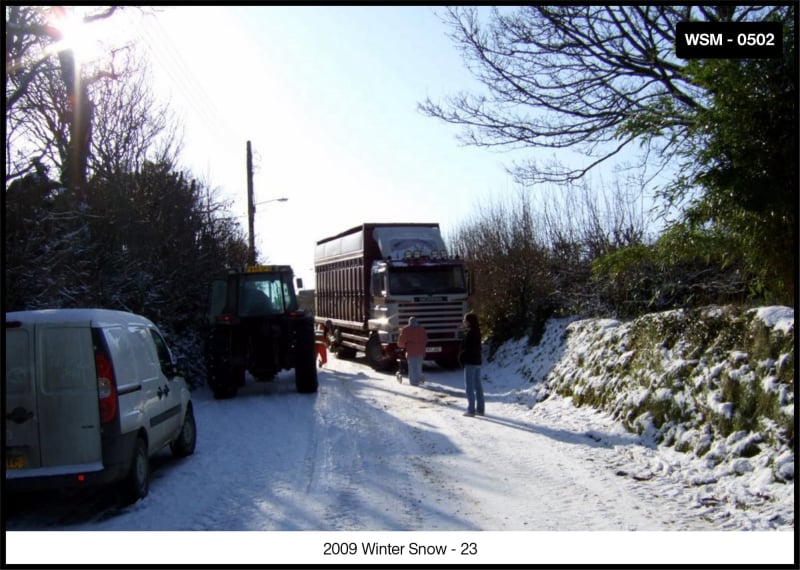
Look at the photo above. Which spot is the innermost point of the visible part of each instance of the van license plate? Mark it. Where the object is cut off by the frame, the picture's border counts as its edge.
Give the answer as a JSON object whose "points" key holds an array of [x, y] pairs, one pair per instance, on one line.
{"points": [[15, 462], [433, 349]]}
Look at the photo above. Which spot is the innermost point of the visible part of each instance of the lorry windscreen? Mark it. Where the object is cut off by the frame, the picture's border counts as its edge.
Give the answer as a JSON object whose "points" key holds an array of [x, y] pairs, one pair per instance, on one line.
{"points": [[426, 280]]}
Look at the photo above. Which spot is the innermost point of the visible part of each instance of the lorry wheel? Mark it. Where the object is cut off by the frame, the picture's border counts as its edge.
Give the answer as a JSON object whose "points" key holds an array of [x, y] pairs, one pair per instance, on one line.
{"points": [[375, 356], [136, 484], [187, 439], [344, 352]]}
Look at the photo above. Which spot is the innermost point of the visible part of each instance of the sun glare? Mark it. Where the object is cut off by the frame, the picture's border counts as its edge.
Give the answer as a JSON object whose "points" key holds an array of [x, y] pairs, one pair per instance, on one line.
{"points": [[86, 40]]}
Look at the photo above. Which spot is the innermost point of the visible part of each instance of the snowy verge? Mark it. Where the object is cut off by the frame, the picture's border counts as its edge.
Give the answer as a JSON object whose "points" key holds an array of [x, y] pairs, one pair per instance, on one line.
{"points": [[711, 390]]}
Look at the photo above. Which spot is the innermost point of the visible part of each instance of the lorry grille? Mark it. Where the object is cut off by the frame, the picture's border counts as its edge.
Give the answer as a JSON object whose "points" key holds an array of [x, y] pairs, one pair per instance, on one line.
{"points": [[441, 320]]}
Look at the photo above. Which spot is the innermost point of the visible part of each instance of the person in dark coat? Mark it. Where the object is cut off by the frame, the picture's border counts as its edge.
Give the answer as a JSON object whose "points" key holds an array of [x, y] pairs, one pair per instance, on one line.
{"points": [[469, 357]]}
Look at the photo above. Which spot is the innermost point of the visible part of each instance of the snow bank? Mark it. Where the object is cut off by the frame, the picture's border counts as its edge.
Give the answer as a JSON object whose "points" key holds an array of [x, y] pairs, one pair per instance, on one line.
{"points": [[779, 319], [715, 385]]}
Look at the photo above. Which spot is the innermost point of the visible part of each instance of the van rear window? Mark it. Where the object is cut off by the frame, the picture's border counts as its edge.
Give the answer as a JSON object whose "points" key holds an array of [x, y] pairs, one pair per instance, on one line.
{"points": [[66, 358], [17, 378]]}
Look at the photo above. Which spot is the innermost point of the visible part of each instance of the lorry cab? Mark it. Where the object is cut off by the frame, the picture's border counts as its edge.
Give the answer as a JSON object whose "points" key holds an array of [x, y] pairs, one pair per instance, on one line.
{"points": [[431, 287]]}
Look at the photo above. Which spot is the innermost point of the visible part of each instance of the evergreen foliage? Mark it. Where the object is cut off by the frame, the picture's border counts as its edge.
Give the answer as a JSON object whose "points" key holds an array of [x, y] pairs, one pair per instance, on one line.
{"points": [[130, 231]]}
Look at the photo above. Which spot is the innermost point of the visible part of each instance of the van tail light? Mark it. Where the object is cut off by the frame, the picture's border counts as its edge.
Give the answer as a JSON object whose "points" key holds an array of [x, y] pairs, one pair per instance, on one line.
{"points": [[226, 319], [106, 388]]}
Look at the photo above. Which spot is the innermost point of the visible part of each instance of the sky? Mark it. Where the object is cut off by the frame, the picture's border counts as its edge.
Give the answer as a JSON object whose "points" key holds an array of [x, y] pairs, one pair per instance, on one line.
{"points": [[327, 97], [276, 475]]}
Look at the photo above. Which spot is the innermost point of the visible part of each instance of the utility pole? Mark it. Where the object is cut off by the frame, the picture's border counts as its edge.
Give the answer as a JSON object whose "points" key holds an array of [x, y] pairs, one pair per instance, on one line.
{"points": [[251, 208]]}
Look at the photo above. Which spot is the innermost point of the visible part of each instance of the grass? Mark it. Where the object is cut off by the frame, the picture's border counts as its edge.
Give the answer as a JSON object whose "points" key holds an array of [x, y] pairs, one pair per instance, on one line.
{"points": [[694, 375]]}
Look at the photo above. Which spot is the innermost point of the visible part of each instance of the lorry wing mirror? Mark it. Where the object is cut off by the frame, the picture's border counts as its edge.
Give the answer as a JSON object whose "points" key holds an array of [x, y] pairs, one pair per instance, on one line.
{"points": [[299, 282]]}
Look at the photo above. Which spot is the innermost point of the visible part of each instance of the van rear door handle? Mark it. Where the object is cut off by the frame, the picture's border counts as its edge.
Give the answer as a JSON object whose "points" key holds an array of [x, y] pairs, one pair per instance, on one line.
{"points": [[163, 393], [19, 415]]}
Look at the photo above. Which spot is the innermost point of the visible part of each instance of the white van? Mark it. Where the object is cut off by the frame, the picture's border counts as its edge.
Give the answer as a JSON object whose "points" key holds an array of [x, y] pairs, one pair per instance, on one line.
{"points": [[90, 396]]}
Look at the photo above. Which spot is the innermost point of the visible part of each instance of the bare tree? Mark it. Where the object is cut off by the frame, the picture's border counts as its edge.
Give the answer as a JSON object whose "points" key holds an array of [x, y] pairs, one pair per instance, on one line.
{"points": [[533, 258], [131, 125], [592, 78], [47, 92], [504, 251]]}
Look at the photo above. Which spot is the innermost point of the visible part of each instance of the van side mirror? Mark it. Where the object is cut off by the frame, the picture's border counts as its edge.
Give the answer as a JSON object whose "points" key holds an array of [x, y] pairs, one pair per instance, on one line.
{"points": [[178, 368]]}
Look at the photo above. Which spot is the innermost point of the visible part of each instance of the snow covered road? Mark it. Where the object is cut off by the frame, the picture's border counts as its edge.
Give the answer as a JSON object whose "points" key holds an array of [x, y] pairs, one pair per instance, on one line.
{"points": [[369, 454]]}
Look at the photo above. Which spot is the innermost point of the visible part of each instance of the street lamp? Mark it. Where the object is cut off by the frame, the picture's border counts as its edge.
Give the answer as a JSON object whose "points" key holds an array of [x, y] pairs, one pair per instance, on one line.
{"points": [[251, 211], [268, 201]]}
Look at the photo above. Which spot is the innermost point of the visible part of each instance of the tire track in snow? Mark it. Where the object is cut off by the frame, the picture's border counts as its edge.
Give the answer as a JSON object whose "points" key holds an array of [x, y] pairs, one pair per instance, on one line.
{"points": [[561, 482], [357, 445]]}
